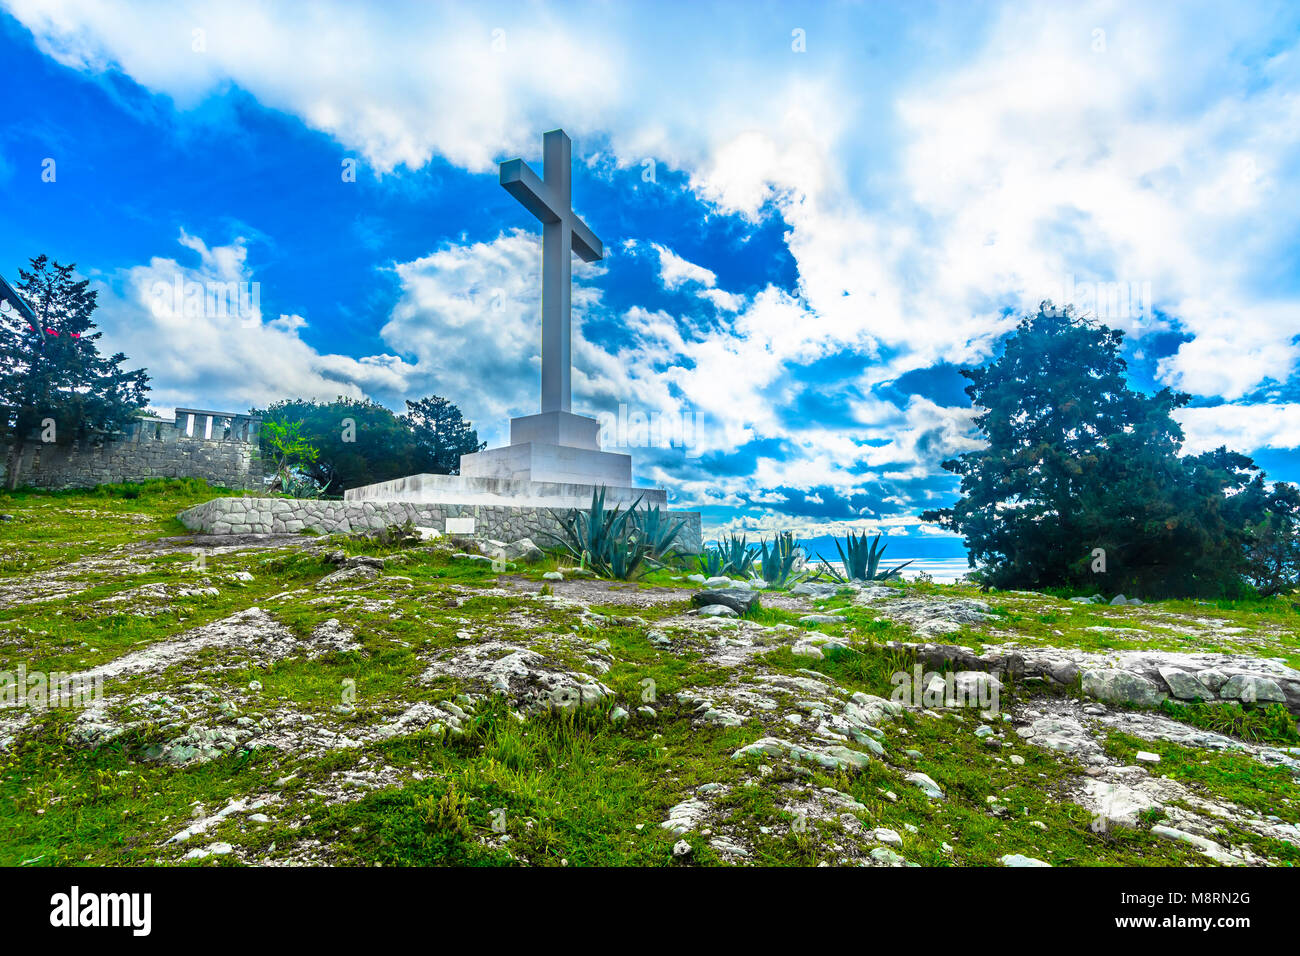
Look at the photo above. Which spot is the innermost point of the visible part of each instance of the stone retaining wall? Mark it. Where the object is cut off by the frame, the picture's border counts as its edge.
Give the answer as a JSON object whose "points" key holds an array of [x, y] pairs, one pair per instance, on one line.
{"points": [[221, 448], [495, 522]]}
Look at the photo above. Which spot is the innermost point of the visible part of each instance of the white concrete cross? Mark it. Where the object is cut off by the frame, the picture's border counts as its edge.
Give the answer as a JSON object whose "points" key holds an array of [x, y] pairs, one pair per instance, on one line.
{"points": [[563, 233]]}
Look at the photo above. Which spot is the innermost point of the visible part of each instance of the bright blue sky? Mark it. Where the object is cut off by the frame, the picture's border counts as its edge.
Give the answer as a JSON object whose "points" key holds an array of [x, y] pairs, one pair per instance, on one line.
{"points": [[828, 234]]}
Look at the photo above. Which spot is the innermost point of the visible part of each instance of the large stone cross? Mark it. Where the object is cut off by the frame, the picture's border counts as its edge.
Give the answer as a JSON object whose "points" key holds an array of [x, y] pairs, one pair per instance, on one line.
{"points": [[563, 233]]}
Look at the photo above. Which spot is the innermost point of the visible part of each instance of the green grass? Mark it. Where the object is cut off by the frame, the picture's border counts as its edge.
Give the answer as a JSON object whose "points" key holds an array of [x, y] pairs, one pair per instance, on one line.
{"points": [[62, 805], [1271, 723], [573, 792], [1229, 777], [574, 789], [1031, 795], [1264, 627], [72, 633]]}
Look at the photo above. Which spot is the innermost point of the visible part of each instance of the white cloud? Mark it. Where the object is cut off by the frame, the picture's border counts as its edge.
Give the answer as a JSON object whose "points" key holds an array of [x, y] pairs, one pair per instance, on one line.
{"points": [[1039, 155], [674, 271], [1045, 158], [664, 365], [468, 315], [1240, 427], [373, 77], [1237, 350], [722, 300], [200, 332]]}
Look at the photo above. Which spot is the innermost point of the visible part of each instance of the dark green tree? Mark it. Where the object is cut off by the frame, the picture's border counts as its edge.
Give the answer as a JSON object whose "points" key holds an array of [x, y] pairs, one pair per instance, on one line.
{"points": [[358, 441], [1273, 554], [54, 384], [1080, 473], [441, 435]]}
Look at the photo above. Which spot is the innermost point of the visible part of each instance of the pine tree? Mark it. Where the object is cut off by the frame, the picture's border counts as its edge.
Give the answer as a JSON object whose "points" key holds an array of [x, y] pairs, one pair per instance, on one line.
{"points": [[1273, 555], [1081, 473], [441, 434], [54, 384]]}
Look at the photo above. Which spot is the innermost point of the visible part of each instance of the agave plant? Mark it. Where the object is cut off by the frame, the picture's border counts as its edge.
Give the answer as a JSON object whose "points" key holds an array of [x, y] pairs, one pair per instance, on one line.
{"points": [[657, 531], [734, 555], [738, 555], [712, 562], [777, 565], [861, 560], [624, 560], [602, 539]]}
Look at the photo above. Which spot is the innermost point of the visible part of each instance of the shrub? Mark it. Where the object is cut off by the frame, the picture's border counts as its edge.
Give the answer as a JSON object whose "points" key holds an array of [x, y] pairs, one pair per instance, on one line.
{"points": [[1272, 723], [739, 554], [711, 562], [732, 556]]}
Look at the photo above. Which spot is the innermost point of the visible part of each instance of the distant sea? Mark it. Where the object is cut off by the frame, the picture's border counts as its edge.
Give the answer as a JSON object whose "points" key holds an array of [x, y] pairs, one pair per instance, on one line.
{"points": [[944, 559], [940, 571]]}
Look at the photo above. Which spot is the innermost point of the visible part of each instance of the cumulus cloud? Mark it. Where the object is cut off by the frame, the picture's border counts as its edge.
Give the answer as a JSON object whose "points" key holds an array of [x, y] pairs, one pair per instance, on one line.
{"points": [[469, 316], [1239, 351], [674, 271], [718, 380], [1240, 426], [373, 77], [198, 328], [1091, 155]]}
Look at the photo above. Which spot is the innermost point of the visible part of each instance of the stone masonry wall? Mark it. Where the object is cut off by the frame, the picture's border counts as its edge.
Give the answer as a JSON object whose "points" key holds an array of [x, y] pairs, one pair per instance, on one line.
{"points": [[225, 454], [496, 522]]}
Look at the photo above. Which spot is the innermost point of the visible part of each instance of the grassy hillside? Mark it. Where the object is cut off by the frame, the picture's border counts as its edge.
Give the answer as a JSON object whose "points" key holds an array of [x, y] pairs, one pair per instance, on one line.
{"points": [[342, 701]]}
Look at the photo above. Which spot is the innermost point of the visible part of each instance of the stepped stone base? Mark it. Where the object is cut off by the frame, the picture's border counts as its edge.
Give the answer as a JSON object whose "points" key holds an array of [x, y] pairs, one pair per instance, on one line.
{"points": [[556, 428], [469, 490], [553, 447], [544, 462]]}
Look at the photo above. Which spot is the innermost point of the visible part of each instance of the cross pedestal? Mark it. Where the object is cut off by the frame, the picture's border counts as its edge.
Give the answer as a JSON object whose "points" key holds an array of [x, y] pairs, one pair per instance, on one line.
{"points": [[552, 446]]}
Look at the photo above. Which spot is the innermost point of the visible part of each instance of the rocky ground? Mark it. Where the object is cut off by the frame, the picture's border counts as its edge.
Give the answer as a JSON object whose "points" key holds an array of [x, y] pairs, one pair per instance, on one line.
{"points": [[284, 700]]}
